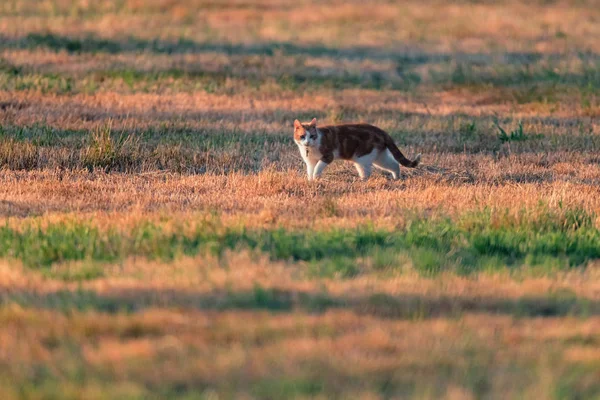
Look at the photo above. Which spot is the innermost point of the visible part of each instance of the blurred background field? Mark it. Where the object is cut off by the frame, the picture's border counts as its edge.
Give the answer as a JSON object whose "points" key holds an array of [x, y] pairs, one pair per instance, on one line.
{"points": [[160, 240]]}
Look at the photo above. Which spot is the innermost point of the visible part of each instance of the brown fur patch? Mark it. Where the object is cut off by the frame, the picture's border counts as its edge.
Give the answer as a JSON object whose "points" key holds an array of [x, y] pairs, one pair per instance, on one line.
{"points": [[355, 140]]}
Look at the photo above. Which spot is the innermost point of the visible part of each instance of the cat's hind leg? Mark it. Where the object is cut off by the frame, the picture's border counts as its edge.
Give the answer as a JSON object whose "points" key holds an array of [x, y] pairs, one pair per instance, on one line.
{"points": [[386, 161], [364, 163]]}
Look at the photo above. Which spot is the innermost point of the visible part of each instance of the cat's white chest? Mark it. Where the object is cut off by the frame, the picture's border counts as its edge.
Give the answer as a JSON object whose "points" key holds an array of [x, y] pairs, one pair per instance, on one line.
{"points": [[310, 154]]}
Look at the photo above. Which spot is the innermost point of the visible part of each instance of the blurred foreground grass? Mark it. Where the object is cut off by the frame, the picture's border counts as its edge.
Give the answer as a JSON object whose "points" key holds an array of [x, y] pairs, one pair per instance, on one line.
{"points": [[160, 240]]}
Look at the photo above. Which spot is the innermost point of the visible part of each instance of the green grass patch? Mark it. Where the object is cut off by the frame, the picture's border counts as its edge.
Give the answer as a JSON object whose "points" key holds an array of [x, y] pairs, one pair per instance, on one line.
{"points": [[516, 135], [14, 79], [580, 381], [285, 388], [530, 78], [76, 272], [379, 304], [227, 81], [475, 242], [541, 78]]}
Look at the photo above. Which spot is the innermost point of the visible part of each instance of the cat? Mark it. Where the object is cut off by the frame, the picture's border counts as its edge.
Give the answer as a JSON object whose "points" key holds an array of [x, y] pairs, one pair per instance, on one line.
{"points": [[365, 145]]}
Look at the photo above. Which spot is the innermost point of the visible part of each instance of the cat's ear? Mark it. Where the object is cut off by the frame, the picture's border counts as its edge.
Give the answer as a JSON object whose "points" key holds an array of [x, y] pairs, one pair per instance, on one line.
{"points": [[313, 122], [297, 124]]}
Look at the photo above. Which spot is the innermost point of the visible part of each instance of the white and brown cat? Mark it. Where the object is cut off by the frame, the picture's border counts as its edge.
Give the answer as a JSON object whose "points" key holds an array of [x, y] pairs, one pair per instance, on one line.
{"points": [[365, 145]]}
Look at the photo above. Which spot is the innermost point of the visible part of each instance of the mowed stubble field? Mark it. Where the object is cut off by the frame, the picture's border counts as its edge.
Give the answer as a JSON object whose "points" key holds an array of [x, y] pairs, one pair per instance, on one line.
{"points": [[160, 240]]}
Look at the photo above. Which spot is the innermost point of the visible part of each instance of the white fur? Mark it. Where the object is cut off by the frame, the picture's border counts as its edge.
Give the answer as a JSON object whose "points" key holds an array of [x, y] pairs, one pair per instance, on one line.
{"points": [[309, 150], [364, 163], [386, 161], [319, 169]]}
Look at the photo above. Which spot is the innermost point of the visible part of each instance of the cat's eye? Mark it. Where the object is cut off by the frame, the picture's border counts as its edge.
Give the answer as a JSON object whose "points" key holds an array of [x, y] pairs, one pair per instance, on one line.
{"points": [[302, 137]]}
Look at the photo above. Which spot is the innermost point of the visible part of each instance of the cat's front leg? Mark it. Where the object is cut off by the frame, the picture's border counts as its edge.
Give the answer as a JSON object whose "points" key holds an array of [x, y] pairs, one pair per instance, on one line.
{"points": [[310, 168], [319, 169], [325, 160]]}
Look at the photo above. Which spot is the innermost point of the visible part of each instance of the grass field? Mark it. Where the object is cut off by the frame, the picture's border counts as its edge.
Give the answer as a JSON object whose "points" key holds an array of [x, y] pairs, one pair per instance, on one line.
{"points": [[159, 238]]}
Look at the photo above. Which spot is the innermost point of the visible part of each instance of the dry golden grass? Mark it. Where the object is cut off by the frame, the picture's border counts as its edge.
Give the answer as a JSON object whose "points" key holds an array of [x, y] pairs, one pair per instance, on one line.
{"points": [[277, 199], [545, 27], [135, 127]]}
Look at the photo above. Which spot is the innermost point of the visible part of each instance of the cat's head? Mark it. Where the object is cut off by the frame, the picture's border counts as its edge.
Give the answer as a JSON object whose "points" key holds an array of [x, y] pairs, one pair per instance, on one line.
{"points": [[306, 134]]}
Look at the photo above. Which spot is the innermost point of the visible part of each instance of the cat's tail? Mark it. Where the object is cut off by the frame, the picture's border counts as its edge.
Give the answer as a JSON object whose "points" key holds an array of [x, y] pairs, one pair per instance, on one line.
{"points": [[391, 146]]}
